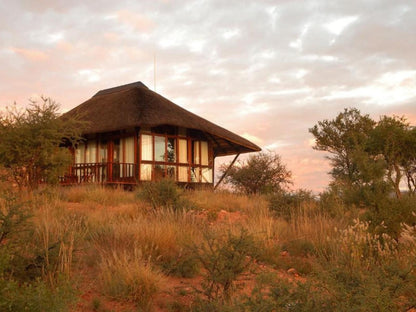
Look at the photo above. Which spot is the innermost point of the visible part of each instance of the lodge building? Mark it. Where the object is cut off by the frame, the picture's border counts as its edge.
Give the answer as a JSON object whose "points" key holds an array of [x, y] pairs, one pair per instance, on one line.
{"points": [[133, 134]]}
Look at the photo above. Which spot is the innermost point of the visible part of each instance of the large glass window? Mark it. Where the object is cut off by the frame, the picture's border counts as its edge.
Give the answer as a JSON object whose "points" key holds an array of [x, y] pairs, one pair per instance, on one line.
{"points": [[179, 158], [171, 150], [183, 174], [160, 148], [80, 154], [195, 152], [206, 175], [147, 147], [145, 172], [129, 150], [204, 153], [183, 151], [103, 151], [91, 152]]}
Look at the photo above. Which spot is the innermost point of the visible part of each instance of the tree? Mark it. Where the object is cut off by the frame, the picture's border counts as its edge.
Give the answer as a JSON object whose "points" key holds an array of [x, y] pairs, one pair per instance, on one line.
{"points": [[344, 138], [389, 140], [259, 174], [369, 159], [31, 139], [409, 160]]}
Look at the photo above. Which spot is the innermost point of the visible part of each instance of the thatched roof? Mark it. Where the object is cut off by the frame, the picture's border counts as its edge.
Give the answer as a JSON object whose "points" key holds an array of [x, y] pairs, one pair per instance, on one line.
{"points": [[134, 105]]}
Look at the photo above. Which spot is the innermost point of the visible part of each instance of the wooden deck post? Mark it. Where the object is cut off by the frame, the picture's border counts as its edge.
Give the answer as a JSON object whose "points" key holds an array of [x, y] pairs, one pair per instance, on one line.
{"points": [[226, 171]]}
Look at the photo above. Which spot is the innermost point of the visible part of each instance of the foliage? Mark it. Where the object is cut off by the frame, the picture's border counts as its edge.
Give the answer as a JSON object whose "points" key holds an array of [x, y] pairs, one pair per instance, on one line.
{"points": [[13, 217], [164, 194], [21, 288], [35, 296], [285, 204], [225, 258], [369, 159], [343, 137], [389, 215], [389, 139], [261, 173], [409, 160], [29, 148]]}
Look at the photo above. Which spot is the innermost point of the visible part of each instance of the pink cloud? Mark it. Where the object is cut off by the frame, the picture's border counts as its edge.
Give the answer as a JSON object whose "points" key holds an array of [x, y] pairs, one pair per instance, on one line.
{"points": [[137, 21], [31, 55]]}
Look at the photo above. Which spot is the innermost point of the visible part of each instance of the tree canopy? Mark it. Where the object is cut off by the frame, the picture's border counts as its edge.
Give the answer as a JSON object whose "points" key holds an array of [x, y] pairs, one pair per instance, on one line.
{"points": [[31, 139], [260, 173], [368, 156]]}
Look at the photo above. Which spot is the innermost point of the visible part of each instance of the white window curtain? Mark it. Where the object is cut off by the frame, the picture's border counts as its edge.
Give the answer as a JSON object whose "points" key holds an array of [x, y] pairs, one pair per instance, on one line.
{"points": [[182, 174], [206, 175], [183, 151], [91, 152], [129, 149], [145, 172], [196, 174], [147, 147], [204, 153], [80, 154], [196, 152], [127, 157]]}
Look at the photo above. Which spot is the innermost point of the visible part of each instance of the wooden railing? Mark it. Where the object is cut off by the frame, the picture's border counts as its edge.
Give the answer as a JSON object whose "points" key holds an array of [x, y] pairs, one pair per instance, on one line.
{"points": [[123, 173]]}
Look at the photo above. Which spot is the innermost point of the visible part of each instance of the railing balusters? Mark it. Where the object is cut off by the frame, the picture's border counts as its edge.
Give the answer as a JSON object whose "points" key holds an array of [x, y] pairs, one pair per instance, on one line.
{"points": [[123, 173]]}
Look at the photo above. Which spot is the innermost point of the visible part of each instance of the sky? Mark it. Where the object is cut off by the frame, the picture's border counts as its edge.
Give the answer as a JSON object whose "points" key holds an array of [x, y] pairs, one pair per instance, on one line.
{"points": [[266, 70]]}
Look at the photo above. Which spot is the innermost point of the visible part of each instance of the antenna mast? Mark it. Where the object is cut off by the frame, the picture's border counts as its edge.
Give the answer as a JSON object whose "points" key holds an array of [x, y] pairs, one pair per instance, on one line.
{"points": [[154, 71]]}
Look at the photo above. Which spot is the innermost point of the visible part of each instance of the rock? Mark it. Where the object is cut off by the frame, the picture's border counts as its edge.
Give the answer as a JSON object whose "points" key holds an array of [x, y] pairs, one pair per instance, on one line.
{"points": [[292, 271]]}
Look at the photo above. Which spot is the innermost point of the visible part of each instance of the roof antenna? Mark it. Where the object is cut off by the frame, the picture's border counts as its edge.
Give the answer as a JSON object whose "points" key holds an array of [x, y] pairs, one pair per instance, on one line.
{"points": [[154, 71]]}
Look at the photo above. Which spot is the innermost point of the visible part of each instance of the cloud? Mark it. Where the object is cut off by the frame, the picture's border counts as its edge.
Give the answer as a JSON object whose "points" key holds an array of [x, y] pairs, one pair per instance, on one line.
{"points": [[265, 70], [31, 55]]}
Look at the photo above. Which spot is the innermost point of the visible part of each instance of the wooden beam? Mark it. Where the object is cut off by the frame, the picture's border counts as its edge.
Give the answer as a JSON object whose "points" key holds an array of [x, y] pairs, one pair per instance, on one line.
{"points": [[226, 171]]}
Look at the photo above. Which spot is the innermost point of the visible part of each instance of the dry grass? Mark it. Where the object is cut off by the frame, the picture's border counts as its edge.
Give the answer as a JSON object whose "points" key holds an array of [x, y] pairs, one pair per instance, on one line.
{"points": [[129, 248], [57, 234], [97, 194], [130, 277]]}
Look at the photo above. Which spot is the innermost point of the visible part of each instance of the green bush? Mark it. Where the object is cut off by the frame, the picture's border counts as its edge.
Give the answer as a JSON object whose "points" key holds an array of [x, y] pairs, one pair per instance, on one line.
{"points": [[286, 205], [389, 214], [163, 194], [36, 296], [185, 265], [224, 258]]}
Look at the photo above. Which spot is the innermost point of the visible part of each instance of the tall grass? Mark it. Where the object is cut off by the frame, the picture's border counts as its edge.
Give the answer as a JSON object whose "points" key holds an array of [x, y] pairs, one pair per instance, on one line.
{"points": [[130, 248], [96, 194], [128, 276]]}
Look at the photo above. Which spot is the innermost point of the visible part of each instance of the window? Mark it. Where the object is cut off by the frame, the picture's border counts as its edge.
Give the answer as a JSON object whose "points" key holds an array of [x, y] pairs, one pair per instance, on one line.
{"points": [[171, 150], [147, 147], [195, 152], [103, 151], [91, 152], [179, 158], [80, 154], [206, 175], [145, 172], [160, 148], [204, 153], [183, 151]]}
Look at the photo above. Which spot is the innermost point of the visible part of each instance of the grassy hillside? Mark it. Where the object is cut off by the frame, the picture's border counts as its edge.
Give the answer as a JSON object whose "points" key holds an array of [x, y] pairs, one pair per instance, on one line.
{"points": [[164, 249]]}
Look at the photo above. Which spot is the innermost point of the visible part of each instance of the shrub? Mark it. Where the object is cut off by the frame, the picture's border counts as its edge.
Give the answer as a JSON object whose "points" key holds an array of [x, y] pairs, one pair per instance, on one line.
{"points": [[391, 213], [36, 296], [225, 258], [163, 194], [185, 264], [288, 204]]}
